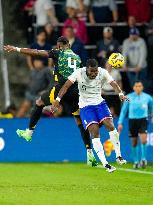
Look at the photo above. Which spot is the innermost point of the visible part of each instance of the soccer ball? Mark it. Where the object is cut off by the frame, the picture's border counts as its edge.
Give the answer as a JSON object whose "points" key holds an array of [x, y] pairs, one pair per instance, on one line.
{"points": [[116, 60]]}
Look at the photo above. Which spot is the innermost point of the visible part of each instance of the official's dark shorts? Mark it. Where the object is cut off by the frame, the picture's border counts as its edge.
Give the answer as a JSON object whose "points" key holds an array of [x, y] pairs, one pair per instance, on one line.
{"points": [[69, 101], [137, 126]]}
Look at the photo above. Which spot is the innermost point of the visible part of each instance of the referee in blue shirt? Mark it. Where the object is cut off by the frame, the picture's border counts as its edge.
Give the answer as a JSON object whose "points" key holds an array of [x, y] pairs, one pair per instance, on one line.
{"points": [[138, 108]]}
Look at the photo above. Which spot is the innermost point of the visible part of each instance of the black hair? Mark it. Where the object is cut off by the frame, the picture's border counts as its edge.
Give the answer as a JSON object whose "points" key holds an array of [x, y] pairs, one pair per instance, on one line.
{"points": [[40, 30], [91, 63], [63, 40], [138, 81]]}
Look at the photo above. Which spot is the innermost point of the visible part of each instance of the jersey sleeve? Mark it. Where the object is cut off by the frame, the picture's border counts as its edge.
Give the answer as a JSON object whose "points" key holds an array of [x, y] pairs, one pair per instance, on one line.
{"points": [[123, 112], [74, 77], [151, 105], [108, 77], [53, 53]]}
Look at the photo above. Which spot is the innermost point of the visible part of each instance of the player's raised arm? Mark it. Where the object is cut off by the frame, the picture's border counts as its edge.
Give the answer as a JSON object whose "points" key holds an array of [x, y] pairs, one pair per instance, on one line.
{"points": [[26, 51], [71, 80], [61, 93], [118, 90]]}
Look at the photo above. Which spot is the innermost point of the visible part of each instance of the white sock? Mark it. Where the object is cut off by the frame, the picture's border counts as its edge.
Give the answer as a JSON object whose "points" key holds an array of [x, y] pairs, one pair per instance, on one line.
{"points": [[114, 137], [30, 132], [89, 151], [98, 147]]}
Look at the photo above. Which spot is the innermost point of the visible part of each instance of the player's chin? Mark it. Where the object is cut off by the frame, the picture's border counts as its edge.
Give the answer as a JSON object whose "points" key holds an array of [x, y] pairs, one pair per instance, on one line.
{"points": [[92, 77]]}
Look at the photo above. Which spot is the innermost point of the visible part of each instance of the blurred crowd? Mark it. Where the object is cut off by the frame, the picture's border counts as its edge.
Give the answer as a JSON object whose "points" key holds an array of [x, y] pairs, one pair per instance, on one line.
{"points": [[81, 21]]}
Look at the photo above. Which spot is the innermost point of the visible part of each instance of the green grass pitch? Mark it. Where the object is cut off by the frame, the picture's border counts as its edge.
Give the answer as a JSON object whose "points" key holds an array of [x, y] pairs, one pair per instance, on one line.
{"points": [[72, 184]]}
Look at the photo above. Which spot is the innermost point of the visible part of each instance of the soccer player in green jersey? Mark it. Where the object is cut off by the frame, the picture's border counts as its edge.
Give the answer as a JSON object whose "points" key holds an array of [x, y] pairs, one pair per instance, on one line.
{"points": [[65, 61]]}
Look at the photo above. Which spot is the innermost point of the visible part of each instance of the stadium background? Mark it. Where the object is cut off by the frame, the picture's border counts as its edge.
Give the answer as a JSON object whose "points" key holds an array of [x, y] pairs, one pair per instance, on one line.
{"points": [[20, 28], [58, 139]]}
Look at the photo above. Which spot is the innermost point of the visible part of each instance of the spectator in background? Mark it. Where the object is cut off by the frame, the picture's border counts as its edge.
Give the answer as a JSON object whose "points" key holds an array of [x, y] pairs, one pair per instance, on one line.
{"points": [[76, 45], [131, 22], [107, 45], [52, 34], [9, 112], [135, 54], [103, 11], [81, 7], [78, 26], [109, 94], [40, 79], [140, 9], [28, 19], [149, 33], [40, 44], [45, 12]]}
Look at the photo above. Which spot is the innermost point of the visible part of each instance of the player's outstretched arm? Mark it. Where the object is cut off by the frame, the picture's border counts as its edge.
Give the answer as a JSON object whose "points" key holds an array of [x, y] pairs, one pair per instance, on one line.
{"points": [[61, 93], [118, 90], [26, 51]]}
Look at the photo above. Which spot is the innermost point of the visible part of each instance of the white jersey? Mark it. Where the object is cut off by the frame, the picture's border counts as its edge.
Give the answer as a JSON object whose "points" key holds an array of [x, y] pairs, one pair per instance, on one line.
{"points": [[90, 89]]}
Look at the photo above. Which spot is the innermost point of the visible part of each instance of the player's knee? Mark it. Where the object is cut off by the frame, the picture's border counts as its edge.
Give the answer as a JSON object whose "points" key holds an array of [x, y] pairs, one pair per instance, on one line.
{"points": [[94, 131], [110, 127]]}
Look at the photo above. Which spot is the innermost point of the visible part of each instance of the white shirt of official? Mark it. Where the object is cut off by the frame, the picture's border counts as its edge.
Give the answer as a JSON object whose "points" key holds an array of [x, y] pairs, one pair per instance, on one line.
{"points": [[90, 90]]}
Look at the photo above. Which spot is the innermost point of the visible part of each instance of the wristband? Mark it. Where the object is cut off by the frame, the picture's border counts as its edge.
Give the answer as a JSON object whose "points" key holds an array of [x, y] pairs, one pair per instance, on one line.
{"points": [[120, 94], [58, 99], [18, 49]]}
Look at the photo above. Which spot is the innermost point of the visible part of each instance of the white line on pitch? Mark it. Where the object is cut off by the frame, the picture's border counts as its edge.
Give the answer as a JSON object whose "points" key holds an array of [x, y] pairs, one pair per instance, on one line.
{"points": [[137, 171], [131, 170]]}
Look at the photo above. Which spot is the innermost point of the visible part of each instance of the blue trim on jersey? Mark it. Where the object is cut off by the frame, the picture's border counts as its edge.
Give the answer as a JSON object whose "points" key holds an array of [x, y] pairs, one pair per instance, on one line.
{"points": [[94, 114]]}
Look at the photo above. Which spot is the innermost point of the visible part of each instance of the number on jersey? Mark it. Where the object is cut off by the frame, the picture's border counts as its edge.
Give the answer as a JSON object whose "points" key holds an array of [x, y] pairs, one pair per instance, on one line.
{"points": [[72, 63]]}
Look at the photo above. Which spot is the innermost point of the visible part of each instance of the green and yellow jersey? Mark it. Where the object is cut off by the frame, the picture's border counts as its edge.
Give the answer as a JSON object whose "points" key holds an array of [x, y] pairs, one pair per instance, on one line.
{"points": [[66, 61]]}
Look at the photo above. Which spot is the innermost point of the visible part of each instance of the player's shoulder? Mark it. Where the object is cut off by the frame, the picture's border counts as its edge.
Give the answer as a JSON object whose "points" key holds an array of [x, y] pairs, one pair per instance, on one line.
{"points": [[131, 94], [82, 69], [146, 95], [102, 71]]}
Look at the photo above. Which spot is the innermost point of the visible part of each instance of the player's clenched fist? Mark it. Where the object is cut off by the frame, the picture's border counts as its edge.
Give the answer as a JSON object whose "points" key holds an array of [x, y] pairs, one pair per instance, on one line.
{"points": [[123, 97], [55, 106]]}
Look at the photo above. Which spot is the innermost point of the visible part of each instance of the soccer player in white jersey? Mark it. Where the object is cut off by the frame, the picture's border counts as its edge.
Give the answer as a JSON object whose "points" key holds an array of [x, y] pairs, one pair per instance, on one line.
{"points": [[93, 108]]}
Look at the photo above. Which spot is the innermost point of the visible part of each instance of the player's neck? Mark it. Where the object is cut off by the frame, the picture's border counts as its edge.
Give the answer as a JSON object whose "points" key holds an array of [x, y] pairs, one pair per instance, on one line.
{"points": [[138, 93], [41, 43]]}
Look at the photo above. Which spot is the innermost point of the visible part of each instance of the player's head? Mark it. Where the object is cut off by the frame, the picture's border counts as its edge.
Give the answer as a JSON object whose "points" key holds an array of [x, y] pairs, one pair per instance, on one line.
{"points": [[91, 68], [138, 87], [62, 43]]}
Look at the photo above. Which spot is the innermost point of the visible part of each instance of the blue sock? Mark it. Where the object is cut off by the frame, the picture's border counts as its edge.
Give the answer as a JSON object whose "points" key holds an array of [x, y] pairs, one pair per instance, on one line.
{"points": [[135, 154], [143, 151]]}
